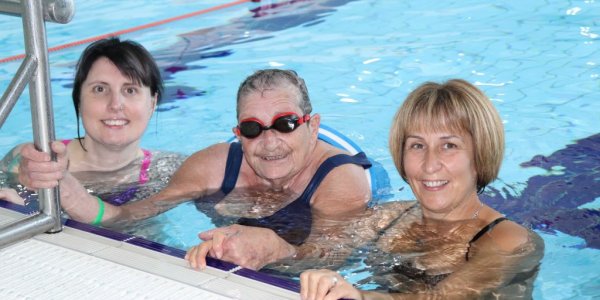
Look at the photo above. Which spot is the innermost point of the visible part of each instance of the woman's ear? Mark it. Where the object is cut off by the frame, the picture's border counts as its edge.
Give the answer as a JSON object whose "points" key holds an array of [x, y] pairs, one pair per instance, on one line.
{"points": [[315, 122], [154, 102]]}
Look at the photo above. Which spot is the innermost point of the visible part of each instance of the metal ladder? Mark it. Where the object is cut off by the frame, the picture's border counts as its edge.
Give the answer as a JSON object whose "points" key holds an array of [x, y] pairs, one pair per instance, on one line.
{"points": [[35, 70]]}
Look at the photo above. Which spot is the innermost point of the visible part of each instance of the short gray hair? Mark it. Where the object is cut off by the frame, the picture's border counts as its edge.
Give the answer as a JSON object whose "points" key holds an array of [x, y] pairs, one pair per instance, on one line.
{"points": [[273, 78]]}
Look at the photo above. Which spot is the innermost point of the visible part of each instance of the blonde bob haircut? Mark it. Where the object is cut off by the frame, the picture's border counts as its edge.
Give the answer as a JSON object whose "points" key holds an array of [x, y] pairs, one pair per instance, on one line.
{"points": [[456, 106]]}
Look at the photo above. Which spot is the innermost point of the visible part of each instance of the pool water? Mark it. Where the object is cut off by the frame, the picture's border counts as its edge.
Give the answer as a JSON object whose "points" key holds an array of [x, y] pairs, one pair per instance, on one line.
{"points": [[537, 60]]}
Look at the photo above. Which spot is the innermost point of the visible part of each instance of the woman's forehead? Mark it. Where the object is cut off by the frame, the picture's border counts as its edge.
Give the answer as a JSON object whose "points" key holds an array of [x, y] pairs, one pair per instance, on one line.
{"points": [[436, 126], [272, 97]]}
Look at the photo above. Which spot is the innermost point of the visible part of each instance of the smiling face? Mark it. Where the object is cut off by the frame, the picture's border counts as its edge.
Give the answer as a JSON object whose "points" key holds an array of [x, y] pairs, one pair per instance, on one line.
{"points": [[440, 169], [115, 109], [276, 156]]}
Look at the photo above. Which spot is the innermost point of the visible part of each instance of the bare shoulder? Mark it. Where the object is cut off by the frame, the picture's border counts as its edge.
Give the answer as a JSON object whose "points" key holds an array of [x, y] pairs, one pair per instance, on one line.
{"points": [[208, 156], [204, 169], [509, 236], [347, 178], [345, 187]]}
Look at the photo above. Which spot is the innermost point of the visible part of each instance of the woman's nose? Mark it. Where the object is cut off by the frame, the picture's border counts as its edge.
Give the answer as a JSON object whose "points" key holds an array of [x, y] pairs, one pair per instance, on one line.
{"points": [[432, 161], [116, 101], [270, 139]]}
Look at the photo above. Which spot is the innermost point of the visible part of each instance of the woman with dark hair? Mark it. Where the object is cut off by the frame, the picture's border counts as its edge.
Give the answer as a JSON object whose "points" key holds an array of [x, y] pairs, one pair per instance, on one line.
{"points": [[116, 89]]}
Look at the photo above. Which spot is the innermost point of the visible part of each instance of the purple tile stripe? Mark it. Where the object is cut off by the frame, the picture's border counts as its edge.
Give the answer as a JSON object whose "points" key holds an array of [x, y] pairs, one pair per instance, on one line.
{"points": [[20, 208], [138, 241]]}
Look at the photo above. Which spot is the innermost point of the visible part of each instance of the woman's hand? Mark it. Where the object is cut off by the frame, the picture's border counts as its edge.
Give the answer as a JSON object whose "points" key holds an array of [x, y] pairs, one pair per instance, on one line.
{"points": [[37, 170], [327, 285], [246, 246], [11, 195]]}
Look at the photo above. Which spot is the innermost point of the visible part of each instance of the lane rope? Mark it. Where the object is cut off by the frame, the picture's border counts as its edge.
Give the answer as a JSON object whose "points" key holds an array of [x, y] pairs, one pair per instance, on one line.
{"points": [[132, 29]]}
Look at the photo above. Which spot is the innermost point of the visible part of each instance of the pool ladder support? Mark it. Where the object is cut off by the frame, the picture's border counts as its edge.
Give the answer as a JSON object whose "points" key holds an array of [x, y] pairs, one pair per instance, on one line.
{"points": [[35, 70]]}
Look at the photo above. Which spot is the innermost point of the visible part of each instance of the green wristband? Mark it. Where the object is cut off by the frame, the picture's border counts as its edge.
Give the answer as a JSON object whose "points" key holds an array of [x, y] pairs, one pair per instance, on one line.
{"points": [[100, 214]]}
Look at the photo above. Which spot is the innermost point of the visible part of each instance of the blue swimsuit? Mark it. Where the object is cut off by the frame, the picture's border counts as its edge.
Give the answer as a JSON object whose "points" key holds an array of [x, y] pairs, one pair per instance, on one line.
{"points": [[293, 222]]}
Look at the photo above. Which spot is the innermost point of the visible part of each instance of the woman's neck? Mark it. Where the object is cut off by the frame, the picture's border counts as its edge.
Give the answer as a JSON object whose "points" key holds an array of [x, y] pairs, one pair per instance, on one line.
{"points": [[468, 209], [98, 157]]}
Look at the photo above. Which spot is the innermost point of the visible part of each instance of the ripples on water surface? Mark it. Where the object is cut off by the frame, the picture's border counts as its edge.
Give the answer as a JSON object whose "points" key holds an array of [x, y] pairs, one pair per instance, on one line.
{"points": [[537, 60]]}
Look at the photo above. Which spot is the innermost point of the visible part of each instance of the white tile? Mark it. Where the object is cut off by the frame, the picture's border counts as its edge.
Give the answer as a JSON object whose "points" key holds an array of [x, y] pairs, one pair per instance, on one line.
{"points": [[5, 221], [172, 260], [238, 291], [39, 270], [10, 213], [74, 242], [154, 266], [90, 236], [287, 294], [7, 215]]}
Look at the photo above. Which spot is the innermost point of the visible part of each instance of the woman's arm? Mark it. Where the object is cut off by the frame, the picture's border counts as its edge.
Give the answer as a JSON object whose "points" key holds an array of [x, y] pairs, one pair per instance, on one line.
{"points": [[504, 261], [37, 170], [11, 195], [507, 255]]}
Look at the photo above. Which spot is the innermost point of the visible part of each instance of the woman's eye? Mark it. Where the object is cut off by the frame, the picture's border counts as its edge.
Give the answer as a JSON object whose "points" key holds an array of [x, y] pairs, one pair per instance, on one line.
{"points": [[416, 146], [130, 91], [450, 146], [99, 89]]}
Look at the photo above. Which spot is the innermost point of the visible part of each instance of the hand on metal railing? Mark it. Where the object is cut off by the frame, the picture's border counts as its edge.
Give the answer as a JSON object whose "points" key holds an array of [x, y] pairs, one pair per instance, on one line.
{"points": [[37, 170]]}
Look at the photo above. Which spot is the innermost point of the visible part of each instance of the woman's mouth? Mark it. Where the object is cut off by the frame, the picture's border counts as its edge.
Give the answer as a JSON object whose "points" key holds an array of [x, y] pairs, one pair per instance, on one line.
{"points": [[273, 157], [434, 183], [115, 122]]}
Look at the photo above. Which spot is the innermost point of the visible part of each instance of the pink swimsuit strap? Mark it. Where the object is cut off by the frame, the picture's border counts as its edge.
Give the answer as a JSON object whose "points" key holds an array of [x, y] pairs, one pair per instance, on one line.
{"points": [[144, 176]]}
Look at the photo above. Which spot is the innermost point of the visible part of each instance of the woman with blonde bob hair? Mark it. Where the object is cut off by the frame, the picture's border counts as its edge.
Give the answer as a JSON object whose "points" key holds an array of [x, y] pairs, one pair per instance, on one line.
{"points": [[459, 107], [447, 142]]}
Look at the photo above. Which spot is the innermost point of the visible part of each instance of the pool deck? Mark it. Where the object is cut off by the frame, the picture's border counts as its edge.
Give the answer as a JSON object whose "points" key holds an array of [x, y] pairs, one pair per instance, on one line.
{"points": [[75, 264]]}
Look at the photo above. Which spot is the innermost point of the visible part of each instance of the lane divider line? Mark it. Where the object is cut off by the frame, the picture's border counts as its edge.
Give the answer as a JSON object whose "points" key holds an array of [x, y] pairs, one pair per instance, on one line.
{"points": [[132, 29]]}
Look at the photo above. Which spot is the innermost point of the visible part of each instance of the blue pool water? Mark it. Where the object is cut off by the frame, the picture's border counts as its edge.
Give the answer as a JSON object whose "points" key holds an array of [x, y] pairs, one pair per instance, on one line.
{"points": [[537, 60]]}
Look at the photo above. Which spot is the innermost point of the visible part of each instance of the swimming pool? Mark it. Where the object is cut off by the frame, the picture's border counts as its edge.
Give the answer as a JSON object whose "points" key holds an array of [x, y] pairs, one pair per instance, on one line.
{"points": [[538, 61]]}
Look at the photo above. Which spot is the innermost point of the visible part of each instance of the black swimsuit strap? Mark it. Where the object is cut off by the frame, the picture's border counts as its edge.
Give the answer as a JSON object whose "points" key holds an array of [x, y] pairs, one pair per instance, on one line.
{"points": [[487, 228], [400, 216], [232, 167], [328, 165]]}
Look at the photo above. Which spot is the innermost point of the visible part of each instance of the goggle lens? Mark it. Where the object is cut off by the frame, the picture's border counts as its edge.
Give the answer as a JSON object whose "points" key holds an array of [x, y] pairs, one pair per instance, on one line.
{"points": [[284, 123], [250, 129]]}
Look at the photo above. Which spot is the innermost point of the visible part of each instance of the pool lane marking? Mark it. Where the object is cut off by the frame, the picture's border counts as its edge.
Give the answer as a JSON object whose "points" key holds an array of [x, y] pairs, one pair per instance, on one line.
{"points": [[132, 29]]}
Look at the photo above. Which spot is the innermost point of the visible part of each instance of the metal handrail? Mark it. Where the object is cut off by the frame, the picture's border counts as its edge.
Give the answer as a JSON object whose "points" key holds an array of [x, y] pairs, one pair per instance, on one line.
{"points": [[57, 11], [35, 71]]}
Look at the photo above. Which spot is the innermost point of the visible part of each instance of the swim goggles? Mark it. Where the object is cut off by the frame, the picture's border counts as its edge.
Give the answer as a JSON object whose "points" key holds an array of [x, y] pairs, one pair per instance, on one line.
{"points": [[284, 122]]}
